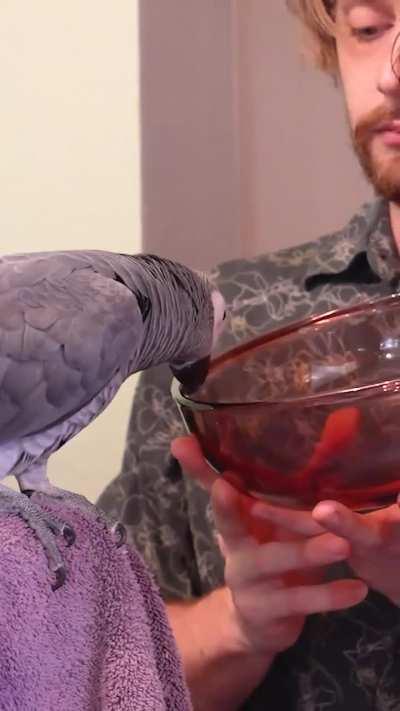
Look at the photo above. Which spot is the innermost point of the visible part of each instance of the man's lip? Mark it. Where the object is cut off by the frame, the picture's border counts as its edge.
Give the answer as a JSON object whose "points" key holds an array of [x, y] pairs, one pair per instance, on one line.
{"points": [[388, 126]]}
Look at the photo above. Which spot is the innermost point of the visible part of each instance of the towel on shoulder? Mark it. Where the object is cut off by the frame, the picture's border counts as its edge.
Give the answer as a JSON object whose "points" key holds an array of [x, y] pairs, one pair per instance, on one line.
{"points": [[101, 642]]}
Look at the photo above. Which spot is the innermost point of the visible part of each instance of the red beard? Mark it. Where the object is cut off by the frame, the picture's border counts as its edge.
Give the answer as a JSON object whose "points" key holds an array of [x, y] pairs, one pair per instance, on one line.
{"points": [[383, 173]]}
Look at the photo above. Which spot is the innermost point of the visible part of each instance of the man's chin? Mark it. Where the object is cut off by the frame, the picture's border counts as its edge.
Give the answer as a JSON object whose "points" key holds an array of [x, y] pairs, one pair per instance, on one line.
{"points": [[387, 183], [383, 172], [388, 189], [379, 152]]}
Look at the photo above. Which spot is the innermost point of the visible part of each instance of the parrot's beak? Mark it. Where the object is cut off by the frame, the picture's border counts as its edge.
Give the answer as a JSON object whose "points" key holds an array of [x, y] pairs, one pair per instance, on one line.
{"points": [[192, 375]]}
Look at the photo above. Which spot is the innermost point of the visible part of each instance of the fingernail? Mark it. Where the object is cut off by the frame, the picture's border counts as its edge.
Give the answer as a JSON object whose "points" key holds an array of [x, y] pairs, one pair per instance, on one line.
{"points": [[327, 511], [359, 589]]}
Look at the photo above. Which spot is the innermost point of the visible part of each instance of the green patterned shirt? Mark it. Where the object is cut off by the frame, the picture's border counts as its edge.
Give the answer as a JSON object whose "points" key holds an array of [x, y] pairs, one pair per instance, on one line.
{"points": [[342, 660]]}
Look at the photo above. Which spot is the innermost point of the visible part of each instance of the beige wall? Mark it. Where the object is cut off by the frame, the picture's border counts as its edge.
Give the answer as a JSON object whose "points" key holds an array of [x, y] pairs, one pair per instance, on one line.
{"points": [[69, 168]]}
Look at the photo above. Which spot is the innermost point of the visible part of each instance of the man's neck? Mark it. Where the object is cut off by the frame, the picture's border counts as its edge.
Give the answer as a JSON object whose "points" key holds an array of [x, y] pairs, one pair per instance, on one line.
{"points": [[394, 212]]}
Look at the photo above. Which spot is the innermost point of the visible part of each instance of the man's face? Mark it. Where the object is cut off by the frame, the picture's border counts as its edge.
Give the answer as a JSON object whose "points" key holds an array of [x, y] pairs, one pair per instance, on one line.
{"points": [[368, 47]]}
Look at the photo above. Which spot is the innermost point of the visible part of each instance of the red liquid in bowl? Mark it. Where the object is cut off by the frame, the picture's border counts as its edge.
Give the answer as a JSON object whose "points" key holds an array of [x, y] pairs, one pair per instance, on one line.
{"points": [[340, 466], [309, 413]]}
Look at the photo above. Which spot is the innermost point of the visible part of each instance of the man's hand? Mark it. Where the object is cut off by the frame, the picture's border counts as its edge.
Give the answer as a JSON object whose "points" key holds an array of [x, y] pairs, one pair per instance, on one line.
{"points": [[273, 569], [374, 538]]}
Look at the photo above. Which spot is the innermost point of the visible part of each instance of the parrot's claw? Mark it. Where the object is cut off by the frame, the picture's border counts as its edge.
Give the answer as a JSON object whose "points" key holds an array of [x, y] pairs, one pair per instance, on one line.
{"points": [[60, 527], [56, 525], [68, 534], [119, 531], [44, 526], [78, 501], [61, 575], [27, 492]]}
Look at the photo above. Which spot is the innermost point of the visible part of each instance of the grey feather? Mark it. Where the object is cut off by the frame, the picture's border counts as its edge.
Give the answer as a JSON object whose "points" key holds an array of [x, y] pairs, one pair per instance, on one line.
{"points": [[72, 321]]}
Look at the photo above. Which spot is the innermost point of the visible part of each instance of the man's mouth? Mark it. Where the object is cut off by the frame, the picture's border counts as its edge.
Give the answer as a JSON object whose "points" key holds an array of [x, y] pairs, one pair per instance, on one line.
{"points": [[389, 132], [376, 140], [388, 127]]}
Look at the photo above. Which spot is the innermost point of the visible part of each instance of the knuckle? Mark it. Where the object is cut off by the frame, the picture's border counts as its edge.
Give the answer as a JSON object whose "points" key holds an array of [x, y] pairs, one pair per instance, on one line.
{"points": [[306, 601], [239, 572], [297, 601], [283, 557], [231, 574]]}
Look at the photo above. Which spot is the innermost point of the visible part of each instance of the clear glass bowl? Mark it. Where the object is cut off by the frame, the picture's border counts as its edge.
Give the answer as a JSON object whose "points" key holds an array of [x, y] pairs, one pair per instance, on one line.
{"points": [[308, 412]]}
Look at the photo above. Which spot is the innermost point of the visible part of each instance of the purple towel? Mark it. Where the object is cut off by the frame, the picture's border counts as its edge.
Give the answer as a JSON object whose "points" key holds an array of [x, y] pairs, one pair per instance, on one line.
{"points": [[100, 642]]}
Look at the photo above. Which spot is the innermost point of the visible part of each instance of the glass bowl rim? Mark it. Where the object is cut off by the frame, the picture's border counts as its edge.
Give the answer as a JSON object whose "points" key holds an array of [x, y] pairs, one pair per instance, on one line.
{"points": [[386, 387]]}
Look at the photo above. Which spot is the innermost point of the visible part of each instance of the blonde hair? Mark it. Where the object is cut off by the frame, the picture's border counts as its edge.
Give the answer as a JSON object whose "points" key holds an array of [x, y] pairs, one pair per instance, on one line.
{"points": [[317, 18]]}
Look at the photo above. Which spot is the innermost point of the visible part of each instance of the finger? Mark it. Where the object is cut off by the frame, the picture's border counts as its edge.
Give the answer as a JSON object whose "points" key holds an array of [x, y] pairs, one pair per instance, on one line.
{"points": [[276, 558], [188, 452], [359, 530], [221, 544], [305, 600], [228, 516], [301, 522]]}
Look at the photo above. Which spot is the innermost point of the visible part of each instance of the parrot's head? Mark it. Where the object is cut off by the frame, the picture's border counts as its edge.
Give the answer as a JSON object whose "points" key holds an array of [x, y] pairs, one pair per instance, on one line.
{"points": [[192, 374], [186, 317]]}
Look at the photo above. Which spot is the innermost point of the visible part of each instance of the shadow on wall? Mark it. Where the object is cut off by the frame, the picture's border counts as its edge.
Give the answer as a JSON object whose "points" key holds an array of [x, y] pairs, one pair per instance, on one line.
{"points": [[189, 176]]}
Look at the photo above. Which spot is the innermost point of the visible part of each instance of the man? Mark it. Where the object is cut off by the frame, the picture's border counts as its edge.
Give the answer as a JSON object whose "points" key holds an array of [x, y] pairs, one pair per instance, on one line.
{"points": [[309, 619]]}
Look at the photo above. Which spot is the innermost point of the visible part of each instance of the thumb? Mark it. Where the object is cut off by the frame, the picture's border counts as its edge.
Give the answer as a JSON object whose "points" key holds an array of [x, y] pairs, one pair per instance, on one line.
{"points": [[189, 455]]}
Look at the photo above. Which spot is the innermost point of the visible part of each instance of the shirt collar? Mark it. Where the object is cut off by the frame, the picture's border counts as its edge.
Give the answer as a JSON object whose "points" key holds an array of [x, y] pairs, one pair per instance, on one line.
{"points": [[366, 251], [382, 251]]}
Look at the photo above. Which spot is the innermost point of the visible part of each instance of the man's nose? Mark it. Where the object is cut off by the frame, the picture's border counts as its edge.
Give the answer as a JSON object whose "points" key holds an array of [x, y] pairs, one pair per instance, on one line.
{"points": [[389, 79]]}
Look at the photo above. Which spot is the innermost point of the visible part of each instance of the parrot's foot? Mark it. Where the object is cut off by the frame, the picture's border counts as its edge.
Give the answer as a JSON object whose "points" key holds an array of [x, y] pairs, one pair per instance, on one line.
{"points": [[78, 501], [44, 526]]}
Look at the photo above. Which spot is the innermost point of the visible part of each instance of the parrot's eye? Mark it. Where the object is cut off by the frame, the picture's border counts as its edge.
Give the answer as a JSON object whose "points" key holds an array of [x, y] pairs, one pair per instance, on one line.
{"points": [[224, 316]]}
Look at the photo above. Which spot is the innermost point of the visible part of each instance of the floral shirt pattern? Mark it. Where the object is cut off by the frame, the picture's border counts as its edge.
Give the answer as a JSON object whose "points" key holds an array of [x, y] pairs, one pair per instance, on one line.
{"points": [[342, 660]]}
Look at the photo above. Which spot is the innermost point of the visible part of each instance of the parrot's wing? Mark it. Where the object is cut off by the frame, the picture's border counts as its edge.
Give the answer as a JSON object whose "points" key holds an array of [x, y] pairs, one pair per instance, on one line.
{"points": [[64, 333]]}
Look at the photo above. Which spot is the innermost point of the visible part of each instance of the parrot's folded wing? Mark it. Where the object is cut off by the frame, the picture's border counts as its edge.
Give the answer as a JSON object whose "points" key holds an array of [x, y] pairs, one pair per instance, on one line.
{"points": [[63, 335]]}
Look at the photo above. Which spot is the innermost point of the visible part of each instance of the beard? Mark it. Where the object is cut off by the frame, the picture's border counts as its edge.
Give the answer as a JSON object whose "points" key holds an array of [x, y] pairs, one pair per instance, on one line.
{"points": [[381, 167]]}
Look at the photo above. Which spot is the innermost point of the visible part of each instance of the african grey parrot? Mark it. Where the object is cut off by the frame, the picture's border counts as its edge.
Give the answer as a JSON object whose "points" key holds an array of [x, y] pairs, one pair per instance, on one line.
{"points": [[73, 326]]}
